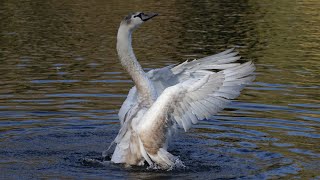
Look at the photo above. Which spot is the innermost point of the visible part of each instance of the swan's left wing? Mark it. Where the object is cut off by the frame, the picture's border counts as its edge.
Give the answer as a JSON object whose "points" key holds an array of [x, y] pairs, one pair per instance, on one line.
{"points": [[175, 74], [199, 98], [165, 77]]}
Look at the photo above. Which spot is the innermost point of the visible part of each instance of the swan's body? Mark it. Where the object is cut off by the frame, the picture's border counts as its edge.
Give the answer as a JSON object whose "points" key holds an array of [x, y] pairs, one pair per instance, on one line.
{"points": [[173, 95]]}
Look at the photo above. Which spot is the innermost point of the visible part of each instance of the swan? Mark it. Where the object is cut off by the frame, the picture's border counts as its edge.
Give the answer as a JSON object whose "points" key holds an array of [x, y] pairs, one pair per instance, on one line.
{"points": [[164, 98]]}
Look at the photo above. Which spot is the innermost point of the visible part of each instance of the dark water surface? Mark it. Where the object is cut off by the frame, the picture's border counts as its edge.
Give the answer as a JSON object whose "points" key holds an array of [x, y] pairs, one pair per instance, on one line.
{"points": [[62, 86]]}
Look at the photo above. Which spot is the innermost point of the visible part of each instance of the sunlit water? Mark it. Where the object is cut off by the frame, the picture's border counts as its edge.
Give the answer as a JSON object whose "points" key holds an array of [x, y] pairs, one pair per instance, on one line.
{"points": [[62, 86]]}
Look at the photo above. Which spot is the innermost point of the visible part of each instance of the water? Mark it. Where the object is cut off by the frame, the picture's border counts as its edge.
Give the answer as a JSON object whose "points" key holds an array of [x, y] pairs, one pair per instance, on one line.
{"points": [[62, 86]]}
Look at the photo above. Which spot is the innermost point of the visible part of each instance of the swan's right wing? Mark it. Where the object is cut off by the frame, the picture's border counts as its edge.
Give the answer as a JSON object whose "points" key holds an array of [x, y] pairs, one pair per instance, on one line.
{"points": [[127, 105], [199, 98]]}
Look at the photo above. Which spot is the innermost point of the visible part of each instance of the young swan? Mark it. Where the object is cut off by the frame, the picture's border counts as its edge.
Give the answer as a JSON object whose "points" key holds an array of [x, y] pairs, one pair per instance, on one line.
{"points": [[174, 95]]}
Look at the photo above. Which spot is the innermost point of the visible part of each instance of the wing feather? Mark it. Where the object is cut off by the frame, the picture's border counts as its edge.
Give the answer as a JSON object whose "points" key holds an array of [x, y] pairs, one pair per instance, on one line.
{"points": [[192, 91], [200, 98]]}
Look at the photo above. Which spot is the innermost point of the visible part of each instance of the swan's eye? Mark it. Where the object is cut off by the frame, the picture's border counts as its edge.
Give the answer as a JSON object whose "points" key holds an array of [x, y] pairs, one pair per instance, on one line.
{"points": [[139, 15]]}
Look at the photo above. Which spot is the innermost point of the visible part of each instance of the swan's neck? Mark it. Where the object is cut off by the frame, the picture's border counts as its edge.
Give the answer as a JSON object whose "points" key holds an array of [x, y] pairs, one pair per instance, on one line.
{"points": [[129, 61]]}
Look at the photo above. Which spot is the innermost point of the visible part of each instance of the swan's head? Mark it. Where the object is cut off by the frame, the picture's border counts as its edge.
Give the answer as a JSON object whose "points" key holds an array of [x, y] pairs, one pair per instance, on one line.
{"points": [[134, 20]]}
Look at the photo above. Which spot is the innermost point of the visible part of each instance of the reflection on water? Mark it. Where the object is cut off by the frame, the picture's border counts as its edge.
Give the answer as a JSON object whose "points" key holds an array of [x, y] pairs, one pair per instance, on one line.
{"points": [[62, 86]]}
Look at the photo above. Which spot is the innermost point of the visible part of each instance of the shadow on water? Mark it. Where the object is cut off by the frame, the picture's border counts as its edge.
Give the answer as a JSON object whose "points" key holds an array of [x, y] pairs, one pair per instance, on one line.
{"points": [[62, 86]]}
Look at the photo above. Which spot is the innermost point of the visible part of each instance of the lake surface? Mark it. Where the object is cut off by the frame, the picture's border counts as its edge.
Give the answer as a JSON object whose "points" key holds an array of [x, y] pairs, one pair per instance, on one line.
{"points": [[62, 86]]}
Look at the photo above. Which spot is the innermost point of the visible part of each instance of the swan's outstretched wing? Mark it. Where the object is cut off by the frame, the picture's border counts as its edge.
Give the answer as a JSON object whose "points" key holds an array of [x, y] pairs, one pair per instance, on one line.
{"points": [[172, 75], [199, 97]]}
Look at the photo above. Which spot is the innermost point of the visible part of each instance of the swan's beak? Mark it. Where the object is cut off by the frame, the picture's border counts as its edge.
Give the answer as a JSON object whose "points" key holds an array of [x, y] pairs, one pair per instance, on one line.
{"points": [[147, 16]]}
